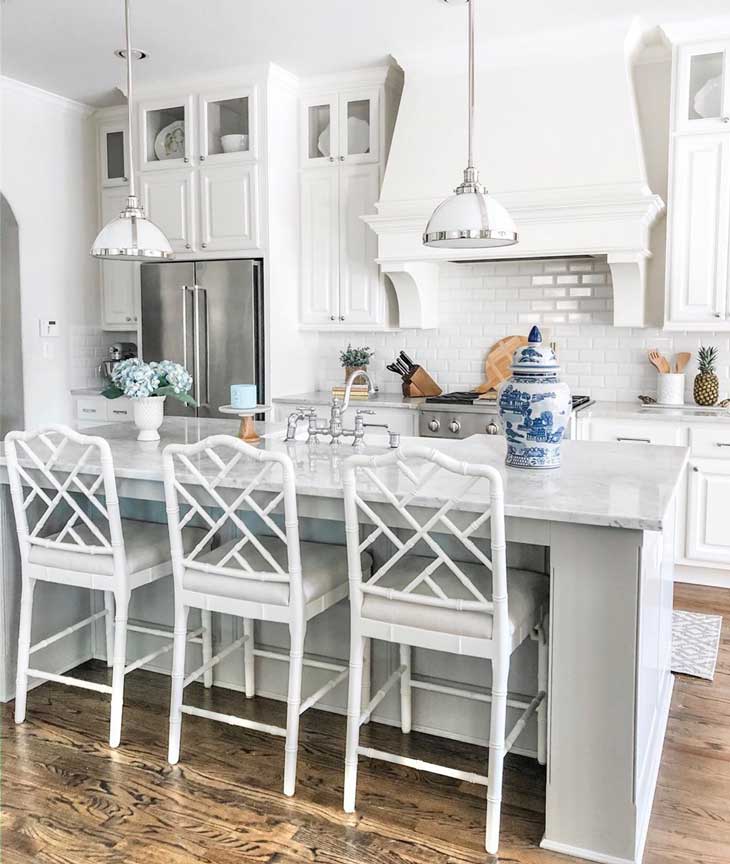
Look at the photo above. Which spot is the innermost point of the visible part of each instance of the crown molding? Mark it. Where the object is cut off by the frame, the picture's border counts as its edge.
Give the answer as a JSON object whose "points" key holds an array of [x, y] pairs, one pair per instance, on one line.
{"points": [[28, 91]]}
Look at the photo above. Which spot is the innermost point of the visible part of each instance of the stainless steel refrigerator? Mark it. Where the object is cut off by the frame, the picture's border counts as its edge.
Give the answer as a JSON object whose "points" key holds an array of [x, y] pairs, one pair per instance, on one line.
{"points": [[208, 316]]}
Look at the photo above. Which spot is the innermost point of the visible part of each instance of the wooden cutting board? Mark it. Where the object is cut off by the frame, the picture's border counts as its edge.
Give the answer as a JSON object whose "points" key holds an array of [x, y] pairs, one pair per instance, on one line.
{"points": [[499, 359]]}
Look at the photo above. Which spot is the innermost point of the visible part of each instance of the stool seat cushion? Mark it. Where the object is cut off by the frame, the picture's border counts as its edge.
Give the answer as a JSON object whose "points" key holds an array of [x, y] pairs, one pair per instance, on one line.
{"points": [[527, 593], [324, 568], [147, 544]]}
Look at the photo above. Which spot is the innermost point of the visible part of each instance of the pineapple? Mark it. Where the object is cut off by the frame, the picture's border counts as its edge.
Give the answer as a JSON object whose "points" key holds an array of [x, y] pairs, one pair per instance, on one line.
{"points": [[706, 386]]}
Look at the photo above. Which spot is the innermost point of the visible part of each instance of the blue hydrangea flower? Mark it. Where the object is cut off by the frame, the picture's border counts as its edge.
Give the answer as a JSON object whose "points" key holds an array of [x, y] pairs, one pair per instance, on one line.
{"points": [[177, 376], [136, 379]]}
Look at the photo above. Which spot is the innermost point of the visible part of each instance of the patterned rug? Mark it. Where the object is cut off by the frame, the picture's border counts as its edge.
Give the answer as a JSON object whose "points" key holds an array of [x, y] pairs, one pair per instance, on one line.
{"points": [[695, 643]]}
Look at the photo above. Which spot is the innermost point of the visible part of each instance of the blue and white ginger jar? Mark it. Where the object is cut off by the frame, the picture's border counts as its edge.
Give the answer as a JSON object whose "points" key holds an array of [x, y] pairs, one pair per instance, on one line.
{"points": [[534, 406]]}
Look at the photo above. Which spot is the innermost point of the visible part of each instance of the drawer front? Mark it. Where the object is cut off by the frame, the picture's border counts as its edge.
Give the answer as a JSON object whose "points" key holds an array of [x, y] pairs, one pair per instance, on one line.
{"points": [[119, 410], [635, 432], [710, 442], [91, 409]]}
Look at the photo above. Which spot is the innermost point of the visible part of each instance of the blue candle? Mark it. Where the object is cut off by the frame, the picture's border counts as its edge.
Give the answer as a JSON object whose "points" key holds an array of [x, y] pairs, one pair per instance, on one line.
{"points": [[243, 396]]}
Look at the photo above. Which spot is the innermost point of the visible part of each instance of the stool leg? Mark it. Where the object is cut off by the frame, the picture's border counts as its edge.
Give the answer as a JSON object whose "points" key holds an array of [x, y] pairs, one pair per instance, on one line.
{"points": [[293, 700], [249, 667], [180, 644], [26, 617], [367, 672], [405, 689], [542, 686], [121, 603], [500, 673], [357, 650], [109, 626], [206, 619]]}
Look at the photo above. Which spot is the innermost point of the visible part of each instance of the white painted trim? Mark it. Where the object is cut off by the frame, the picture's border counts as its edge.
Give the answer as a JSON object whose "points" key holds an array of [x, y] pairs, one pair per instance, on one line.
{"points": [[588, 854], [710, 576], [351, 78], [63, 103]]}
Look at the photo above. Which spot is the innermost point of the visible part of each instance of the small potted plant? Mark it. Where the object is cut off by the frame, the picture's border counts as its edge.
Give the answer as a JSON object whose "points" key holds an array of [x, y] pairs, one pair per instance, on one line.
{"points": [[148, 385], [706, 383], [355, 359]]}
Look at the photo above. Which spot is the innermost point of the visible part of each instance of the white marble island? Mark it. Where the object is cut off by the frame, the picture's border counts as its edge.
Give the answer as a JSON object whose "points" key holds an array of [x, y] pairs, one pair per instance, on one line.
{"points": [[600, 528]]}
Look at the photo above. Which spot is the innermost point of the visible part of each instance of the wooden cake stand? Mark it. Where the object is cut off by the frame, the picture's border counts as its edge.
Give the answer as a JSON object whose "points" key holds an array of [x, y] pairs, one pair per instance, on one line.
{"points": [[247, 431]]}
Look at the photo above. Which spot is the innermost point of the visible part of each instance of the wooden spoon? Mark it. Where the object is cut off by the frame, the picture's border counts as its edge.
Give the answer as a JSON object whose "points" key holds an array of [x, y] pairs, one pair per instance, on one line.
{"points": [[682, 360], [659, 361]]}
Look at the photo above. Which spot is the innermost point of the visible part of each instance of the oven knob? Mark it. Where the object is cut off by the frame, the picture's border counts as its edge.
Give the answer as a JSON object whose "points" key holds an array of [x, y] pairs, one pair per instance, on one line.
{"points": [[492, 429], [455, 426], [434, 425]]}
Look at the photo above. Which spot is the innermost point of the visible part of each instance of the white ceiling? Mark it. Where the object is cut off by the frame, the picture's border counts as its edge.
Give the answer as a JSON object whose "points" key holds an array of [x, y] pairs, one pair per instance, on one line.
{"points": [[66, 46]]}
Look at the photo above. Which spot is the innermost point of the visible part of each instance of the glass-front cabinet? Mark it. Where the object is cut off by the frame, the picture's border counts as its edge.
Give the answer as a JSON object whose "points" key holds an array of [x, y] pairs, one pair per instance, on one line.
{"points": [[113, 154], [225, 121], [703, 92], [166, 130], [340, 127]]}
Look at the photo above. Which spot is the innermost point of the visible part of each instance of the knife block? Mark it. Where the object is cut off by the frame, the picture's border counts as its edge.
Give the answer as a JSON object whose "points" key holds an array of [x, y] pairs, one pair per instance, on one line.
{"points": [[420, 383]]}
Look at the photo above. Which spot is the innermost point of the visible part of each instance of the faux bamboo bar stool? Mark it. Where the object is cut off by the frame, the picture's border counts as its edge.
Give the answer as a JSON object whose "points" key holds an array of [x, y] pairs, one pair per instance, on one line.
{"points": [[70, 532], [256, 576], [438, 603]]}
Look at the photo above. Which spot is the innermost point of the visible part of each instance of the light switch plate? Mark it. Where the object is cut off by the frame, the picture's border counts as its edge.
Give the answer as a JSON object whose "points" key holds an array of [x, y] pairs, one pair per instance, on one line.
{"points": [[48, 328]]}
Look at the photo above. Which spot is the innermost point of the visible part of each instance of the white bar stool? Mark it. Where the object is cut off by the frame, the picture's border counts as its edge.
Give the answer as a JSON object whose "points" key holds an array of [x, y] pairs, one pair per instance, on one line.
{"points": [[438, 603], [264, 577], [70, 532]]}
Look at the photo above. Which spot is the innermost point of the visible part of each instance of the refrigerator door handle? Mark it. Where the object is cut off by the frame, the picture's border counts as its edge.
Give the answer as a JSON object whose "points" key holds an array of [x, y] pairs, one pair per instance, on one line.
{"points": [[185, 289], [201, 351]]}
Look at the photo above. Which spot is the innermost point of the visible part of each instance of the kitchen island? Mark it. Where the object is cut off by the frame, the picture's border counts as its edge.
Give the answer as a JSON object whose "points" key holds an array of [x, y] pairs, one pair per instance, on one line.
{"points": [[600, 528]]}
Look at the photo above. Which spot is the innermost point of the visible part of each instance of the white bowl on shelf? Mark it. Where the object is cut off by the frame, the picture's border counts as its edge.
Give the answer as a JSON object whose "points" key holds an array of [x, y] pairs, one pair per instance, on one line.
{"points": [[234, 143]]}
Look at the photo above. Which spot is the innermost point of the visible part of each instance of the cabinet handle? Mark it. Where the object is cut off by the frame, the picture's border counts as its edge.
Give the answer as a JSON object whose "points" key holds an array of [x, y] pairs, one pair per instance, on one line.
{"points": [[640, 440], [723, 444]]}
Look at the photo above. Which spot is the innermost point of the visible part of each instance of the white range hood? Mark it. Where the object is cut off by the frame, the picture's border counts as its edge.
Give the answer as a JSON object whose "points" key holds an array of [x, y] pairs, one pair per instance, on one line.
{"points": [[558, 143]]}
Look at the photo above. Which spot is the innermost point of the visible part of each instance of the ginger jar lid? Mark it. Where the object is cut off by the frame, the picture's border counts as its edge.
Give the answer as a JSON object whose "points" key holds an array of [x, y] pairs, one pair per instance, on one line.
{"points": [[535, 357]]}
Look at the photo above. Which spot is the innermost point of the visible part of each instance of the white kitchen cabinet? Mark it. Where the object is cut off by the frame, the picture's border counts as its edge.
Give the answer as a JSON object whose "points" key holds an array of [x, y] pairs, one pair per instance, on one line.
{"points": [[320, 285], [708, 505], [168, 199], [702, 93], [166, 132], [119, 284], [228, 113], [228, 207], [635, 432], [699, 230], [113, 160]]}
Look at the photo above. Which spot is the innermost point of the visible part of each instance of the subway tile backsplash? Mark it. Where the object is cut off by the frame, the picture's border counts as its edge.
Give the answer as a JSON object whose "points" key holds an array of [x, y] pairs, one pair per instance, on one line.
{"points": [[571, 299]]}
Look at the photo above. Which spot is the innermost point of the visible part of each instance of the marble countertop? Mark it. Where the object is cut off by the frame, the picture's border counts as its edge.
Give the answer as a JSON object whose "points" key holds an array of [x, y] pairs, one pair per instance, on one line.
{"points": [[324, 397], [627, 490], [87, 391], [635, 411]]}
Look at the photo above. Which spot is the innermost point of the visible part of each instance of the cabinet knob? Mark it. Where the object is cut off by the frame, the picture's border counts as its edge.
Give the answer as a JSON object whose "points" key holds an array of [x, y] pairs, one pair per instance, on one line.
{"points": [[342, 317], [202, 158], [129, 318], [716, 315], [725, 119], [126, 179], [342, 158], [332, 317], [332, 158], [204, 245], [187, 245]]}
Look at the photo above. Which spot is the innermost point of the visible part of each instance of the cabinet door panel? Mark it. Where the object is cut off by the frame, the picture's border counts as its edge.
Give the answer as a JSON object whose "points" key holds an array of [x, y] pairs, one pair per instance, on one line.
{"points": [[708, 538], [702, 100], [360, 292], [698, 249], [359, 130], [635, 432], [228, 207], [319, 130], [168, 201], [118, 278], [320, 249]]}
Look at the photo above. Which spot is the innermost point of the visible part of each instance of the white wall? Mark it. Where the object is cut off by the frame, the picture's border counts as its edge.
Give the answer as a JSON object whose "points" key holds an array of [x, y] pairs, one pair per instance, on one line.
{"points": [[571, 299], [48, 176]]}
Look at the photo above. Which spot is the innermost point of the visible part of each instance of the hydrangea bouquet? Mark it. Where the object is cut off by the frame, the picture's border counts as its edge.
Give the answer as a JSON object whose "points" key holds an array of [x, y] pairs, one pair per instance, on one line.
{"points": [[138, 380]]}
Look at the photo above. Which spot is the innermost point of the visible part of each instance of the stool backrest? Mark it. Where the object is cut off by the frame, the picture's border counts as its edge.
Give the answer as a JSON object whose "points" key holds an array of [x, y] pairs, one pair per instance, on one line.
{"points": [[224, 473], [421, 477], [50, 462]]}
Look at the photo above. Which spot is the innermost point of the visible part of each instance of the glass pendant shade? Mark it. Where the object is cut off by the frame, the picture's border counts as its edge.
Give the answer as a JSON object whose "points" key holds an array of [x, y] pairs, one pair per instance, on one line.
{"points": [[131, 237], [470, 220]]}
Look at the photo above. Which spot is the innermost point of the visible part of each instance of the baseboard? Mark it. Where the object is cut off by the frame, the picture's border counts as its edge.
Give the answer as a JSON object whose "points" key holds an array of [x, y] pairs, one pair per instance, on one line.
{"points": [[588, 854], [712, 577]]}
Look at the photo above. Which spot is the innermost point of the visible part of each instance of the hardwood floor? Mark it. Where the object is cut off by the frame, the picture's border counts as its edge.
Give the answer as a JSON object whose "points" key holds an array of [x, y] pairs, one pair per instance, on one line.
{"points": [[68, 799]]}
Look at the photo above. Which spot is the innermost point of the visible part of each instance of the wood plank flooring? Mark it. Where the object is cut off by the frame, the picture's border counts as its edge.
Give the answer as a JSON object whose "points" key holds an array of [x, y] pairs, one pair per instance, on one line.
{"points": [[68, 799]]}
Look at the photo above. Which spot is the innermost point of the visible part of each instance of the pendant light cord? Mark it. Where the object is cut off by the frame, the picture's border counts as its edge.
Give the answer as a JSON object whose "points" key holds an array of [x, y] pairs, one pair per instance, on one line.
{"points": [[127, 28], [470, 162]]}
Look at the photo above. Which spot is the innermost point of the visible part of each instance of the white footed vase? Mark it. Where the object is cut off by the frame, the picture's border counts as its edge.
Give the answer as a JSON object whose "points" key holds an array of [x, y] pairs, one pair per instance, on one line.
{"points": [[148, 416]]}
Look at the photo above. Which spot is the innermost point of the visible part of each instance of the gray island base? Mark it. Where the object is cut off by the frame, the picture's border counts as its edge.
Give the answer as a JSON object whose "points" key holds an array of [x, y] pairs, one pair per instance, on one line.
{"points": [[600, 528]]}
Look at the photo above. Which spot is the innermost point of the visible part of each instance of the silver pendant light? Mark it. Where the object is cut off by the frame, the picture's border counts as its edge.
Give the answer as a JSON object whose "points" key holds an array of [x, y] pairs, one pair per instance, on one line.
{"points": [[131, 236], [470, 219]]}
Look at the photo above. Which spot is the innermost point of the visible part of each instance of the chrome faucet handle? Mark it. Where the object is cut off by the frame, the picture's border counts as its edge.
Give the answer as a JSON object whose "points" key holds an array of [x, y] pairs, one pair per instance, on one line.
{"points": [[393, 440]]}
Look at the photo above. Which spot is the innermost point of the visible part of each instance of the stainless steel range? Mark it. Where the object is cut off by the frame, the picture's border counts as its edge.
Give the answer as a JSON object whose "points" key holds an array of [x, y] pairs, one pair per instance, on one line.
{"points": [[459, 415]]}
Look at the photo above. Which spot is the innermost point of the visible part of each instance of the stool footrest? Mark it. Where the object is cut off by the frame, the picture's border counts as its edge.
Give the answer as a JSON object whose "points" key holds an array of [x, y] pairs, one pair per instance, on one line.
{"points": [[232, 720], [67, 679], [420, 765]]}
